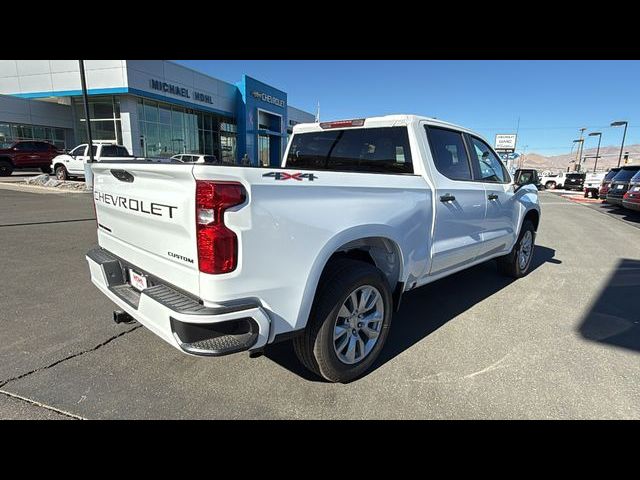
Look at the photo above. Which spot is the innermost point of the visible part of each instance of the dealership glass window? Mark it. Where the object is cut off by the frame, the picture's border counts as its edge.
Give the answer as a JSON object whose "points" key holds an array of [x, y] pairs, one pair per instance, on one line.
{"points": [[180, 130], [104, 111], [228, 147], [10, 133]]}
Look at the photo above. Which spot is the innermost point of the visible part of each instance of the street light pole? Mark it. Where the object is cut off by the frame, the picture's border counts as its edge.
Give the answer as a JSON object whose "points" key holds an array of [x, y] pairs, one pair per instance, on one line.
{"points": [[88, 174], [579, 159], [599, 135], [619, 124]]}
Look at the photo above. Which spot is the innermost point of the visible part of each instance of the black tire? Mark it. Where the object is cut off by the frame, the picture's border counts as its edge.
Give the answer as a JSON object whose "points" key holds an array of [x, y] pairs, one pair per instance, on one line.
{"points": [[6, 168], [550, 185], [46, 170], [509, 264], [315, 347], [61, 173]]}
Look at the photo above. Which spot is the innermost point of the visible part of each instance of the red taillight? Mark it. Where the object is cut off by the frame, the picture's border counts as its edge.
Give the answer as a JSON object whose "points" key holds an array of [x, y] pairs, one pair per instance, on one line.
{"points": [[217, 245], [343, 123]]}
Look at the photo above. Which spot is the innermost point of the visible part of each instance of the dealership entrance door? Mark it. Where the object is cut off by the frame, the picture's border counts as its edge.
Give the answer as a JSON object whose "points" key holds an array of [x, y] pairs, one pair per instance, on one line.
{"points": [[263, 150]]}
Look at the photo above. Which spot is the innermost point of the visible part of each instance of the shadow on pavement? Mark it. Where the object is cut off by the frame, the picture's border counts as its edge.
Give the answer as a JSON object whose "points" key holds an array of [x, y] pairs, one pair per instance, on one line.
{"points": [[614, 318], [426, 309]]}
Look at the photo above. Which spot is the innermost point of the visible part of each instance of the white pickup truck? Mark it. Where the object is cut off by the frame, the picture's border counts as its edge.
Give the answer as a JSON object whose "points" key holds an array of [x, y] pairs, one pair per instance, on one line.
{"points": [[71, 164], [222, 259]]}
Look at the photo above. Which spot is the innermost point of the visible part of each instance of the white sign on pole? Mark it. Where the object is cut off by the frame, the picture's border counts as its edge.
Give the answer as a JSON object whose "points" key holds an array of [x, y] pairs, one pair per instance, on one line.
{"points": [[505, 142]]}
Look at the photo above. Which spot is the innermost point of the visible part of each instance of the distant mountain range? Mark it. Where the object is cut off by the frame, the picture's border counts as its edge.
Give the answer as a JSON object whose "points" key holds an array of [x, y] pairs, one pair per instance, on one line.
{"points": [[609, 158]]}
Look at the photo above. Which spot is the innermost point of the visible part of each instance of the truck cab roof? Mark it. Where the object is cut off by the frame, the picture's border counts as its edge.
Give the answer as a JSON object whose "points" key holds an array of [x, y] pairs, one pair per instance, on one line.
{"points": [[380, 121]]}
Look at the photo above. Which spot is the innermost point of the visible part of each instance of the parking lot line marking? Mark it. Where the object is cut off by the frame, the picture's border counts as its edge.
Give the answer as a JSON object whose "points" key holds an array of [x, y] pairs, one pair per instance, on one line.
{"points": [[42, 405], [44, 223]]}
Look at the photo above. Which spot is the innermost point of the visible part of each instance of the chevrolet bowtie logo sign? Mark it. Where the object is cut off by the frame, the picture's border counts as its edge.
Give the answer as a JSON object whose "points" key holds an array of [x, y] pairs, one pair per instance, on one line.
{"points": [[267, 98]]}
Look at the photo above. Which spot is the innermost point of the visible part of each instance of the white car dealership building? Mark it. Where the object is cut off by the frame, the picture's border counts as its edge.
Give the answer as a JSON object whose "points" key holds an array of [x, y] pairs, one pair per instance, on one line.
{"points": [[155, 108]]}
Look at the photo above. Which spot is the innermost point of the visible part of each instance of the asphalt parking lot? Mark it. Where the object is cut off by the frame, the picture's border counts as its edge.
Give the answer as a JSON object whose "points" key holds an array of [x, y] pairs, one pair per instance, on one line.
{"points": [[564, 342]]}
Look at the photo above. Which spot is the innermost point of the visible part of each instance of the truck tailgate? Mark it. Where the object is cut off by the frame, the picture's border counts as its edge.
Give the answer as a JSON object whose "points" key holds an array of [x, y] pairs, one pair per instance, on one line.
{"points": [[146, 216]]}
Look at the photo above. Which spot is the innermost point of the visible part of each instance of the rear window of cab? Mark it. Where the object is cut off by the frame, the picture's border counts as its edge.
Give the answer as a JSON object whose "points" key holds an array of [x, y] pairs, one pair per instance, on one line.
{"points": [[367, 150]]}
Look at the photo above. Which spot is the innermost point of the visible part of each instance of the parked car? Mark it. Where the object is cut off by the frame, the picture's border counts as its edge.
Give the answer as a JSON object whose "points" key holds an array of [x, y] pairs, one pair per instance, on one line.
{"points": [[592, 184], [217, 259], [631, 199], [27, 154], [606, 182], [620, 184], [193, 158], [69, 165], [574, 181], [552, 180]]}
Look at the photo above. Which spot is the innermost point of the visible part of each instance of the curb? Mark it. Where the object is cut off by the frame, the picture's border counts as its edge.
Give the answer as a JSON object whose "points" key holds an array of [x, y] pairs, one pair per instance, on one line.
{"points": [[40, 189]]}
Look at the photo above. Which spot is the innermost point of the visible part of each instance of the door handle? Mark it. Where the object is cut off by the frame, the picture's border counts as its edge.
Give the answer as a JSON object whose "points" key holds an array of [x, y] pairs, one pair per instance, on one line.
{"points": [[447, 197], [492, 196]]}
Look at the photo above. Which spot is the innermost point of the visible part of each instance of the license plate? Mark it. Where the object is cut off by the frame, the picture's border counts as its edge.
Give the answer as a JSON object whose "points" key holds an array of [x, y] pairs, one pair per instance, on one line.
{"points": [[636, 189], [619, 187], [139, 282]]}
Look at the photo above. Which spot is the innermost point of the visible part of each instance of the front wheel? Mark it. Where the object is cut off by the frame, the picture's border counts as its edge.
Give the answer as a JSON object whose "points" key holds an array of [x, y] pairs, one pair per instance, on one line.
{"points": [[349, 321], [550, 185], [517, 263], [61, 173]]}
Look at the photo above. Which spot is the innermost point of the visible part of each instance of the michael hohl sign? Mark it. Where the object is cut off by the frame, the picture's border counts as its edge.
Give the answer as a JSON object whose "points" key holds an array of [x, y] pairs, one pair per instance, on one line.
{"points": [[180, 91]]}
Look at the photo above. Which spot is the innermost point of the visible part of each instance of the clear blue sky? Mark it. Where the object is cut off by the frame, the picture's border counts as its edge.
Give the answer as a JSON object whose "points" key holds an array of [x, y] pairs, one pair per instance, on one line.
{"points": [[553, 99]]}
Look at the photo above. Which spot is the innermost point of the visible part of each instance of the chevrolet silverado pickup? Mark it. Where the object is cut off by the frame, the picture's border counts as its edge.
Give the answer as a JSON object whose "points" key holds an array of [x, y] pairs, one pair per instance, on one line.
{"points": [[222, 259]]}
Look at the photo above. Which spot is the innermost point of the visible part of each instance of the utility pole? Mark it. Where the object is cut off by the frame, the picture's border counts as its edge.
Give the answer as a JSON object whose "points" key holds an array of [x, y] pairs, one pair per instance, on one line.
{"points": [[581, 148], [88, 173], [521, 160]]}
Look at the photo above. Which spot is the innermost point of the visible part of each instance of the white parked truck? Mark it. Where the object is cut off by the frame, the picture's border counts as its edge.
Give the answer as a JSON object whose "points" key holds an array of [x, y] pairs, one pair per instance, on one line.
{"points": [[222, 259], [71, 164]]}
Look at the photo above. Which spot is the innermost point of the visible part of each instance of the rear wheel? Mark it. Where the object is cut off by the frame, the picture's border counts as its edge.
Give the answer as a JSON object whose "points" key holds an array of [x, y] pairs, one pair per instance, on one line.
{"points": [[6, 168], [349, 321], [517, 263], [550, 185], [61, 173], [46, 170]]}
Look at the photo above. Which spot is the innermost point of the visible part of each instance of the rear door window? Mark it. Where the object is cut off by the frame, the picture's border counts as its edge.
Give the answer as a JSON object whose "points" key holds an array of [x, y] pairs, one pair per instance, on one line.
{"points": [[449, 153], [367, 150]]}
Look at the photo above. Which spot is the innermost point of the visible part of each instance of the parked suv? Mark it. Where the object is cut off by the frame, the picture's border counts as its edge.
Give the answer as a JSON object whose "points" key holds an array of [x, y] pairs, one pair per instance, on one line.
{"points": [[26, 154], [574, 181], [530, 176], [620, 184], [604, 188], [631, 199]]}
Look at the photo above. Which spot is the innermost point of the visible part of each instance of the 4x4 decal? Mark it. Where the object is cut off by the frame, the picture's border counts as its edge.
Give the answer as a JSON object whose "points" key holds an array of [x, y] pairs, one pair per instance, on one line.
{"points": [[291, 176]]}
